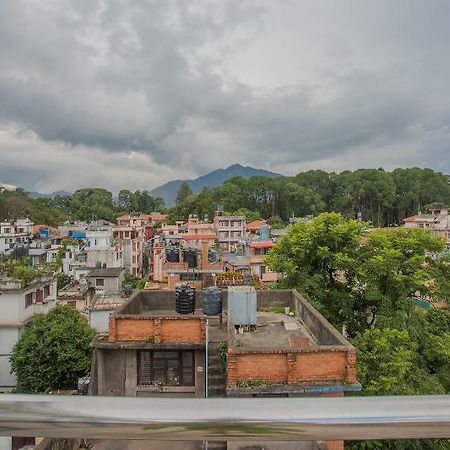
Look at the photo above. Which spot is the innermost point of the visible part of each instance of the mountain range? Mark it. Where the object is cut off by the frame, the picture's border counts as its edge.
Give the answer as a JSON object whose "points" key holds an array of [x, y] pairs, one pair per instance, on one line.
{"points": [[34, 194], [168, 191]]}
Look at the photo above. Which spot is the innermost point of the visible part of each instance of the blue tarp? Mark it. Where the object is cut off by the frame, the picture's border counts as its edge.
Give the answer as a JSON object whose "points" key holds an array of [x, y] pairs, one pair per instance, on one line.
{"points": [[78, 235]]}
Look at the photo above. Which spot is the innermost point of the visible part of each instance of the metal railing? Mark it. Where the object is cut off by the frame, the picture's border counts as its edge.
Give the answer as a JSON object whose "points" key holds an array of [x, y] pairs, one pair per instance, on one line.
{"points": [[268, 419]]}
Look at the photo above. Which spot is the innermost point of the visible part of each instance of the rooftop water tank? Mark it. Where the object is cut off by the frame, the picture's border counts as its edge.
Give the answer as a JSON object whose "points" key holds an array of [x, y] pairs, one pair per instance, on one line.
{"points": [[242, 305], [212, 301], [212, 256], [173, 254], [190, 256], [184, 299], [264, 232]]}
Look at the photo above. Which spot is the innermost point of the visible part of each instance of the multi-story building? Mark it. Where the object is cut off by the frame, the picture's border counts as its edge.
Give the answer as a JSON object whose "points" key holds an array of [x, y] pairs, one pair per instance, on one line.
{"points": [[133, 232], [14, 232], [437, 220], [101, 248], [152, 351], [106, 281], [230, 231], [19, 304], [198, 233]]}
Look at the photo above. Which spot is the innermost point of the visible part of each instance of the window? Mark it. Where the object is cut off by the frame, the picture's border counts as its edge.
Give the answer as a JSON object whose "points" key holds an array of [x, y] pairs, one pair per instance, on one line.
{"points": [[99, 282], [28, 299], [39, 296], [72, 303], [168, 368], [46, 291]]}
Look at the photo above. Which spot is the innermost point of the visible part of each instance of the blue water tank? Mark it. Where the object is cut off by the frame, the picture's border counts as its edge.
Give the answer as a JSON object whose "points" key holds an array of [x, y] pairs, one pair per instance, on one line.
{"points": [[264, 232]]}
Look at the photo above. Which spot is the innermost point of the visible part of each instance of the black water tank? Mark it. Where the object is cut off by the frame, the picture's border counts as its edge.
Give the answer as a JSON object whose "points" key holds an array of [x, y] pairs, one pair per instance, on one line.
{"points": [[190, 256], [212, 256], [173, 254], [212, 301], [184, 299]]}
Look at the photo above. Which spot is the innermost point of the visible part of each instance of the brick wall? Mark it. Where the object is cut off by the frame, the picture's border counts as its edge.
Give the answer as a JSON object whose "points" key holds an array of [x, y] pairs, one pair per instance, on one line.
{"points": [[159, 329], [292, 366]]}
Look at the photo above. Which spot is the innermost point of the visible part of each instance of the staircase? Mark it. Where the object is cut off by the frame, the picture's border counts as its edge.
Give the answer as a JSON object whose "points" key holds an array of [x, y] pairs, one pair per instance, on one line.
{"points": [[216, 374]]}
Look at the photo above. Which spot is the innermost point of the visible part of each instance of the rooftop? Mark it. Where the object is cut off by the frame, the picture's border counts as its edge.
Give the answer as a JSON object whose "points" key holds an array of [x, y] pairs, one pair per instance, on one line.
{"points": [[72, 290], [274, 330], [106, 303], [106, 272]]}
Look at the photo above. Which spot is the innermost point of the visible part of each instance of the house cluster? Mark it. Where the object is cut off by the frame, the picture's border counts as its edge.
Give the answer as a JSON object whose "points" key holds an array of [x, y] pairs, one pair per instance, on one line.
{"points": [[230, 337], [436, 219], [94, 257], [227, 250]]}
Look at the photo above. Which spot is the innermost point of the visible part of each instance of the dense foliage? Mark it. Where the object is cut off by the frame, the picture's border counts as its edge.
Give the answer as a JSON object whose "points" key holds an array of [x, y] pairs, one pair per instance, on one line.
{"points": [[383, 198], [53, 351], [85, 204], [22, 269], [364, 282]]}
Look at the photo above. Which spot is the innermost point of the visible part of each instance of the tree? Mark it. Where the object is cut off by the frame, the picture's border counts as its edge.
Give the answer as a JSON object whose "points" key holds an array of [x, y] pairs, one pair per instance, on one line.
{"points": [[320, 257], [53, 351], [126, 201], [356, 277], [183, 192], [388, 364], [276, 222]]}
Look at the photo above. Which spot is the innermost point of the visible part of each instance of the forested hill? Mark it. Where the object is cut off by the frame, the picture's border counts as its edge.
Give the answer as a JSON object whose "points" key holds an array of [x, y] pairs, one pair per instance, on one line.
{"points": [[383, 198], [168, 192]]}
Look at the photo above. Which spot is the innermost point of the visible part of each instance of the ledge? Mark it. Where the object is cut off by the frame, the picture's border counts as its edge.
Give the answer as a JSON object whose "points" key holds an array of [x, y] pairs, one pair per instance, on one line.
{"points": [[292, 389]]}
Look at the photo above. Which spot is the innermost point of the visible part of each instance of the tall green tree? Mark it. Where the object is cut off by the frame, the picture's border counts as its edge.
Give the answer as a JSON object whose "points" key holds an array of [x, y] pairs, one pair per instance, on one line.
{"points": [[358, 277], [53, 351], [184, 192]]}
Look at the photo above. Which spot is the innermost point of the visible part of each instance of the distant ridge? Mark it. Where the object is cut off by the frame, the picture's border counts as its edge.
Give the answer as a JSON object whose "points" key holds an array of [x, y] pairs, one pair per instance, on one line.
{"points": [[169, 190], [33, 194]]}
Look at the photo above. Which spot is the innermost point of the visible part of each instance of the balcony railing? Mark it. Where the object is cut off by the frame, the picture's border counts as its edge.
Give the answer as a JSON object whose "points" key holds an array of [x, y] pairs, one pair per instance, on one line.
{"points": [[288, 419]]}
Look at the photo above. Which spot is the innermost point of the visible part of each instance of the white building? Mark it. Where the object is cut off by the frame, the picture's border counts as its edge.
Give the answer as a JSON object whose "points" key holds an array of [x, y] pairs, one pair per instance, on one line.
{"points": [[437, 220], [19, 304], [230, 231], [14, 233], [101, 248]]}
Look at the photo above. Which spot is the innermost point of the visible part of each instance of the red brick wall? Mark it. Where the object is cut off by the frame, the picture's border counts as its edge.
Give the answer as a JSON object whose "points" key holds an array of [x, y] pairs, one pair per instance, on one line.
{"points": [[323, 365], [256, 366], [131, 329], [160, 330], [308, 364]]}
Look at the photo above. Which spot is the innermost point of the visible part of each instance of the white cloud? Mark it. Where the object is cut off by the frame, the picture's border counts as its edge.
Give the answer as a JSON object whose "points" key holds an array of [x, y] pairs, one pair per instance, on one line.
{"points": [[119, 94]]}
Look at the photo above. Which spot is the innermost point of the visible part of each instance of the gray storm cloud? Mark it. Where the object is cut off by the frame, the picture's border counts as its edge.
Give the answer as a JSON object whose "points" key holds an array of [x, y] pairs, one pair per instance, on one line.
{"points": [[118, 93]]}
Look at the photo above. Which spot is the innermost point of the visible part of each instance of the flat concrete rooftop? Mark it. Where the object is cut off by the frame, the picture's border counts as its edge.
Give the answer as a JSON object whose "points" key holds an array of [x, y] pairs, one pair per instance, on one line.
{"points": [[274, 330]]}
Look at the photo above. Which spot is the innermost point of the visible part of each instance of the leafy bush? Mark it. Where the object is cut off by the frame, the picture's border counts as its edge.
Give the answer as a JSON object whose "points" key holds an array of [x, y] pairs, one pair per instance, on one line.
{"points": [[53, 351]]}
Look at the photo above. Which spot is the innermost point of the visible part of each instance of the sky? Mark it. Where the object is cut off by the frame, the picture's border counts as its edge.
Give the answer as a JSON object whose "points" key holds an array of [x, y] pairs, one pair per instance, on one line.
{"points": [[120, 94]]}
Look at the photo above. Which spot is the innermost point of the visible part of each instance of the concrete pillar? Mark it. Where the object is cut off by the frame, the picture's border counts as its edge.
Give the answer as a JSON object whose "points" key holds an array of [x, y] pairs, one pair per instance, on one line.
{"points": [[101, 374], [130, 373], [200, 371]]}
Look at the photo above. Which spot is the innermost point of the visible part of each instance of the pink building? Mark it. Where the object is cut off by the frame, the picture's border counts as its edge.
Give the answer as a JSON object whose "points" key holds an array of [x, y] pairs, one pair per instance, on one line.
{"points": [[133, 232]]}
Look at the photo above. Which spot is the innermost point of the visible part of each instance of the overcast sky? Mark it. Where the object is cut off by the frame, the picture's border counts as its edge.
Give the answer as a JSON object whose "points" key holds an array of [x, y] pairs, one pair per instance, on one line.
{"points": [[135, 93]]}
